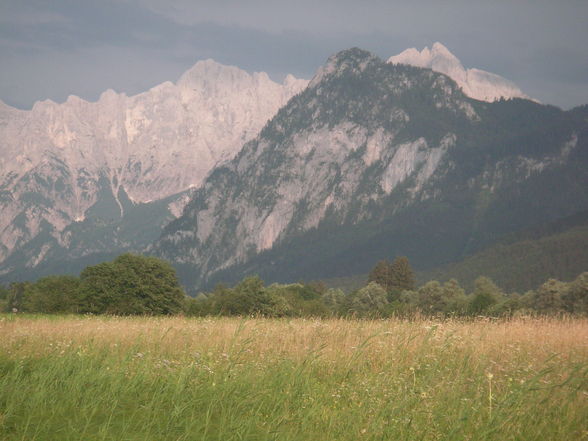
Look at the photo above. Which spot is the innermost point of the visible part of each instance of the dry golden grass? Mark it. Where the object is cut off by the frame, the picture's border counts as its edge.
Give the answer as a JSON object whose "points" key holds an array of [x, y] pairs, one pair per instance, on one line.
{"points": [[335, 339], [337, 379]]}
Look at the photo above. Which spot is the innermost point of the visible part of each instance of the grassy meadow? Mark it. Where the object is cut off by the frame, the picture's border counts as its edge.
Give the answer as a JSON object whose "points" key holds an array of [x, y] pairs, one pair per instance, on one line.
{"points": [[107, 378]]}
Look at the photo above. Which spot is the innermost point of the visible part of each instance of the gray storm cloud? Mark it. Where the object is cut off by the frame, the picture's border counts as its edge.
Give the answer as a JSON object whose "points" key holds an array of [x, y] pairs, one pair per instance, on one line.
{"points": [[54, 49]]}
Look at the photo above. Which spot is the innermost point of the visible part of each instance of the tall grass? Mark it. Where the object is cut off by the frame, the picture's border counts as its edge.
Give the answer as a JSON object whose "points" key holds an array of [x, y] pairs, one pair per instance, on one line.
{"points": [[89, 378]]}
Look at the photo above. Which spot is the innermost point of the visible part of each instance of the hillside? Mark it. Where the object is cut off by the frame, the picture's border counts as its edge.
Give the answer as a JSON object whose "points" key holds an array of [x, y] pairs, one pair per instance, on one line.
{"points": [[375, 160], [525, 260]]}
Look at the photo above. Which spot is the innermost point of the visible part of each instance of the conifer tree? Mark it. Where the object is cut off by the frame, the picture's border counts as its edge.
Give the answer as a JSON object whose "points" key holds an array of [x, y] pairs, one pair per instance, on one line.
{"points": [[395, 276], [381, 274], [402, 275]]}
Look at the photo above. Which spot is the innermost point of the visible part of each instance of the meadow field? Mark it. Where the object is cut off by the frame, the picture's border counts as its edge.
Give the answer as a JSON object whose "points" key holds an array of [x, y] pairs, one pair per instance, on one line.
{"points": [[149, 379]]}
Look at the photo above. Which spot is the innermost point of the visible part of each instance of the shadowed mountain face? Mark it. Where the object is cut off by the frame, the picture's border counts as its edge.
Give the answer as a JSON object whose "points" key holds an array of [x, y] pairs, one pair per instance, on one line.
{"points": [[375, 160]]}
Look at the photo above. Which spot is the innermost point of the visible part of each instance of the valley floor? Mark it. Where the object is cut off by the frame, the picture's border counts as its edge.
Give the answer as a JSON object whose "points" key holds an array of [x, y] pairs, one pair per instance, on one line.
{"points": [[106, 378]]}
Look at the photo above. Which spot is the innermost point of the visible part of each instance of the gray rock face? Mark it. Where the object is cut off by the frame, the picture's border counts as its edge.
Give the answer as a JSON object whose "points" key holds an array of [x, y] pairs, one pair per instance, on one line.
{"points": [[475, 83], [57, 161], [354, 166]]}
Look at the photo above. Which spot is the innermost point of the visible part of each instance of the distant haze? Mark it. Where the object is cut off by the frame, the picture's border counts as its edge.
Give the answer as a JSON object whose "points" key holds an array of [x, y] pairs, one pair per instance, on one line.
{"points": [[54, 49]]}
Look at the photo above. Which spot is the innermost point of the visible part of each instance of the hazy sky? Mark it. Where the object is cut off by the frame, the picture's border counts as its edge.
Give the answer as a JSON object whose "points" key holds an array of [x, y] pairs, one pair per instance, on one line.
{"points": [[54, 48]]}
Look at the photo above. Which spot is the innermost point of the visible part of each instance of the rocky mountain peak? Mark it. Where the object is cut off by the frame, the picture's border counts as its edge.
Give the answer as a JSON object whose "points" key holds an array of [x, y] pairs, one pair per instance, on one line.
{"points": [[344, 144], [208, 73], [475, 83], [352, 60], [427, 57], [440, 51]]}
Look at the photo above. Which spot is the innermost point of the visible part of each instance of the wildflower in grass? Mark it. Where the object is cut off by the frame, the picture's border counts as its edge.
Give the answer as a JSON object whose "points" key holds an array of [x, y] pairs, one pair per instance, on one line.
{"points": [[413, 377], [489, 375]]}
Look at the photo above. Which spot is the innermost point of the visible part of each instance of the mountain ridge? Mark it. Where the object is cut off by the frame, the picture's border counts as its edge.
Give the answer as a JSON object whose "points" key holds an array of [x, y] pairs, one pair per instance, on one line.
{"points": [[365, 157], [475, 83], [59, 160]]}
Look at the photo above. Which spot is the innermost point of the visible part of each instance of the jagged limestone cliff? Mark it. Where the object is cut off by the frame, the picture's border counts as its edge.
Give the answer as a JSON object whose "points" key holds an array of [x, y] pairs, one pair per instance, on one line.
{"points": [[68, 169]]}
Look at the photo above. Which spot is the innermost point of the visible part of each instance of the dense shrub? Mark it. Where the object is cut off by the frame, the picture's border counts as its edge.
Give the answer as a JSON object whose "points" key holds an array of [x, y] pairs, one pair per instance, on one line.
{"points": [[53, 295], [131, 284], [370, 300], [251, 297]]}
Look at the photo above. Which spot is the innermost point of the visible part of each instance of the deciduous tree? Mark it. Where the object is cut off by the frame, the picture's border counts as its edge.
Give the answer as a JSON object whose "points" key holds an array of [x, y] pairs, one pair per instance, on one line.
{"points": [[131, 284]]}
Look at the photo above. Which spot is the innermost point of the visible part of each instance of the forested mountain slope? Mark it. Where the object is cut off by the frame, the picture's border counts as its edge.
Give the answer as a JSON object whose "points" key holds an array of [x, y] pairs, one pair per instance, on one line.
{"points": [[375, 160]]}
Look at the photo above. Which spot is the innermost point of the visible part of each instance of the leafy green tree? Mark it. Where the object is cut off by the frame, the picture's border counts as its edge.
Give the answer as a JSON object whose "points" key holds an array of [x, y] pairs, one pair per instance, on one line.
{"points": [[16, 296], [508, 306], [249, 297], [430, 298], [575, 298], [318, 286], [549, 298], [214, 302], [100, 291], [486, 294], [198, 306], [334, 300], [53, 295], [279, 307], [370, 300], [527, 300], [131, 285], [3, 298], [454, 298], [301, 300], [436, 299]]}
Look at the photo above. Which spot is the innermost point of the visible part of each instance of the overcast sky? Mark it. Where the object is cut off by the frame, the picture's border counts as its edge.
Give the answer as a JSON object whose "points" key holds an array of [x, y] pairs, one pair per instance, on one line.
{"points": [[54, 48]]}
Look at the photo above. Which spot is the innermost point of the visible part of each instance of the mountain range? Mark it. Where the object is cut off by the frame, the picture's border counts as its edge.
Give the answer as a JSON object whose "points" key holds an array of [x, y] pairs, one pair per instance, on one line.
{"points": [[415, 156], [82, 179]]}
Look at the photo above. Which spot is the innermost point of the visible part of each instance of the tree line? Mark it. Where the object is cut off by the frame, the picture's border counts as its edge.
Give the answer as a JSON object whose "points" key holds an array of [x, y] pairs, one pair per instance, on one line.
{"points": [[129, 285], [139, 285]]}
